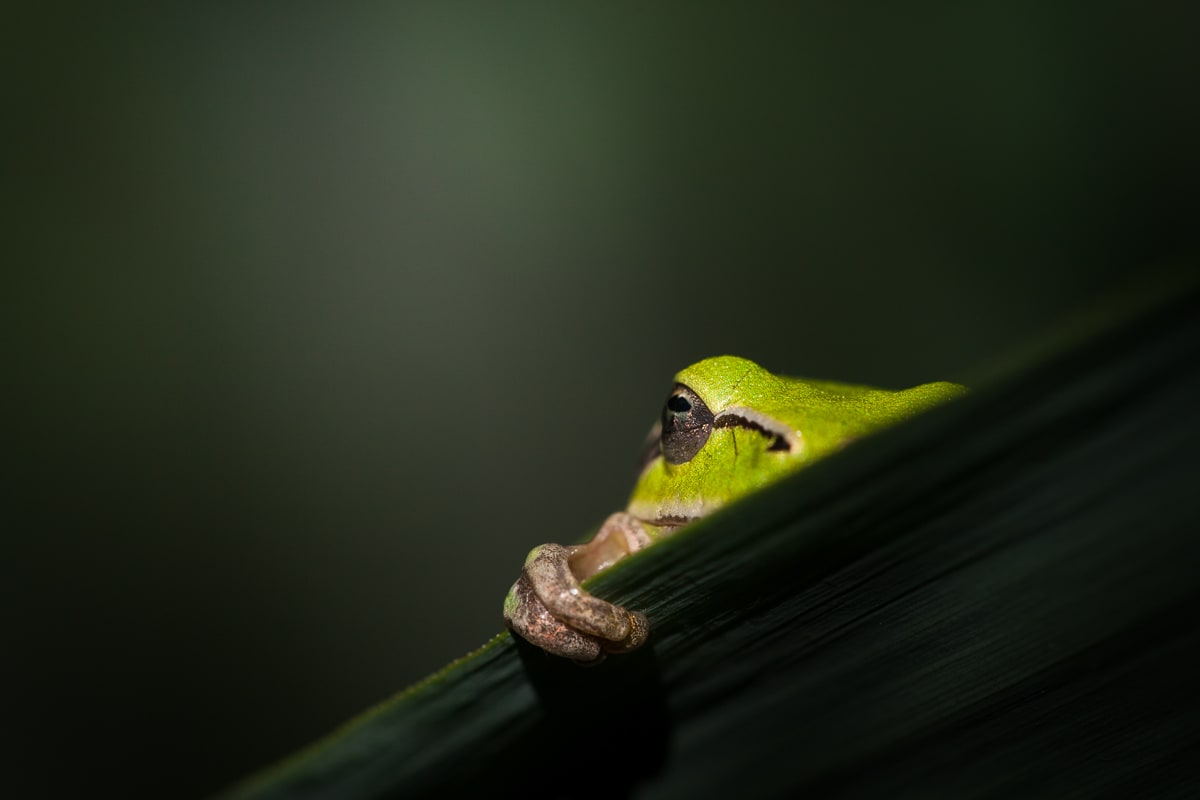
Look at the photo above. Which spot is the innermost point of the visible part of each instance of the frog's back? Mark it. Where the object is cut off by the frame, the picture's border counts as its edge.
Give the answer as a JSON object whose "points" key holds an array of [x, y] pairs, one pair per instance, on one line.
{"points": [[832, 414]]}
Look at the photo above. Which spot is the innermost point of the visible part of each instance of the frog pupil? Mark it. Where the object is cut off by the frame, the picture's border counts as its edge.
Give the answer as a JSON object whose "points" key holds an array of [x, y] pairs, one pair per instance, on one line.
{"points": [[679, 405]]}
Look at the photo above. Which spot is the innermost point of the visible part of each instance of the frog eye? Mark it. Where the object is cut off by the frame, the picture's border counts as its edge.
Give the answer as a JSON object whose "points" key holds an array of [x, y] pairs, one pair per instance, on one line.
{"points": [[686, 425]]}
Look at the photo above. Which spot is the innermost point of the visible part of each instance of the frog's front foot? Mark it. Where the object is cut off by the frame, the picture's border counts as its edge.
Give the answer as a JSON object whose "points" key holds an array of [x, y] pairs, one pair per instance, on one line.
{"points": [[547, 606]]}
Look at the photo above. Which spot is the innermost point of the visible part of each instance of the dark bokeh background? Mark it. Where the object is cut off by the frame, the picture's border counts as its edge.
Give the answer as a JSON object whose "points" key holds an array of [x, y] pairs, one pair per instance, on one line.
{"points": [[323, 318]]}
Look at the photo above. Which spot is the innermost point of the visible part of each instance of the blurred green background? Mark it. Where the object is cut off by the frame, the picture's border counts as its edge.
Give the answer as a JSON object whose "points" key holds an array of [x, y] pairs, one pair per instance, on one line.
{"points": [[324, 317]]}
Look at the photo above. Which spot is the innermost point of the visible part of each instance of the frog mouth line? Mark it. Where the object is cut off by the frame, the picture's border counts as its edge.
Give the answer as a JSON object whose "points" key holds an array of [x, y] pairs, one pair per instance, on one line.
{"points": [[673, 514], [670, 521]]}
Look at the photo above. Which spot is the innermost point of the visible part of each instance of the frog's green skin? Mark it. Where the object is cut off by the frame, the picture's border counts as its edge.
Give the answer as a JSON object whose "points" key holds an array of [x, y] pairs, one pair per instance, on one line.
{"points": [[728, 427]]}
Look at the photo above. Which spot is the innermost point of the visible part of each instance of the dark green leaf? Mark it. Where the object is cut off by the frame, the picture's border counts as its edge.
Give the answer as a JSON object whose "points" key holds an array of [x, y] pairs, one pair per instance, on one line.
{"points": [[996, 599]]}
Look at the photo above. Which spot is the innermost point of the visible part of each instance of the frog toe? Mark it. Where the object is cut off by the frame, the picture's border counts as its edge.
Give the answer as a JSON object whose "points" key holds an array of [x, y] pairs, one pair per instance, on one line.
{"points": [[529, 618]]}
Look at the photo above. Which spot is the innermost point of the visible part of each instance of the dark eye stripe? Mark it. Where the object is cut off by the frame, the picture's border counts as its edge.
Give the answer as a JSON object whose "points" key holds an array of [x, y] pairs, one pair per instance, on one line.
{"points": [[778, 443]]}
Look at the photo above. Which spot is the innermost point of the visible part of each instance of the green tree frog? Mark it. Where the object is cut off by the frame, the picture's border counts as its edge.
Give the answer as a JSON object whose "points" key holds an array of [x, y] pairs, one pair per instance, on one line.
{"points": [[728, 427]]}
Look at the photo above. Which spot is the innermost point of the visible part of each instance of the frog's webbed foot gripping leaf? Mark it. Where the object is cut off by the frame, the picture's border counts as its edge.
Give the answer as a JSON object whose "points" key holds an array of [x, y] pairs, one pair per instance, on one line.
{"points": [[548, 607]]}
